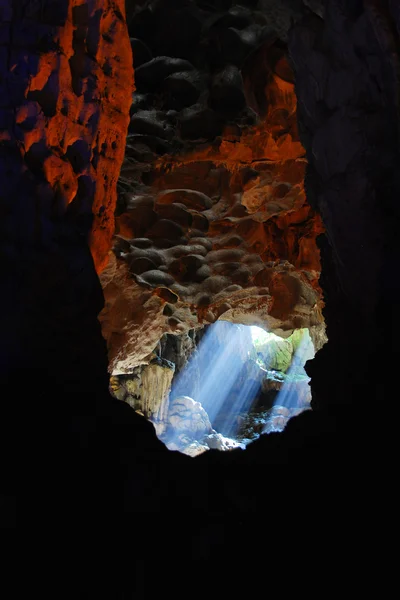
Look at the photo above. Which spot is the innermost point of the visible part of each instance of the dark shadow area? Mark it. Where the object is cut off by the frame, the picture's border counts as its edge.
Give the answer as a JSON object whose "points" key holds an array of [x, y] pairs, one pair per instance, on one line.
{"points": [[305, 511]]}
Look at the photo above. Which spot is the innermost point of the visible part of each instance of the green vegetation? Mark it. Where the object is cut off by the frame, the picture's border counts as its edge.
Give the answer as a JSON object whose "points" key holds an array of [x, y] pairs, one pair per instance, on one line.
{"points": [[272, 352]]}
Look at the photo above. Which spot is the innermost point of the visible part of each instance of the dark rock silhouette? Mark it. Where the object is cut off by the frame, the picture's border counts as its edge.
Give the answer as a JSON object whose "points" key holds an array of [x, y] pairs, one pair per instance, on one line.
{"points": [[296, 511]]}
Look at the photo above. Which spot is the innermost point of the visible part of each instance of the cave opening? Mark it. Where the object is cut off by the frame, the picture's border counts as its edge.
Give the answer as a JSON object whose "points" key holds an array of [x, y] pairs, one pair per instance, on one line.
{"points": [[212, 221], [220, 386], [218, 214]]}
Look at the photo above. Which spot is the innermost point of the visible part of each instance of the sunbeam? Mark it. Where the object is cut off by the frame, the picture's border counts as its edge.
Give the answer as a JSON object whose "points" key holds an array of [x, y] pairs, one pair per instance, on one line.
{"points": [[225, 381], [220, 359], [294, 396]]}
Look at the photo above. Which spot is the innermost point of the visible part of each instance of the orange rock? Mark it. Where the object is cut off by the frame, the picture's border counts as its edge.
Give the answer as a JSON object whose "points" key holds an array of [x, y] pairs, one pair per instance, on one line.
{"points": [[244, 246]]}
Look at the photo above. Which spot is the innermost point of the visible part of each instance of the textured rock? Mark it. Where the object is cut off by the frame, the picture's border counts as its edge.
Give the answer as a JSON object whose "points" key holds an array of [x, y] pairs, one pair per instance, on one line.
{"points": [[178, 348], [186, 445], [219, 229], [189, 418], [104, 466], [277, 355], [151, 75], [171, 304], [278, 418], [216, 441], [213, 441], [147, 391], [56, 99], [65, 96]]}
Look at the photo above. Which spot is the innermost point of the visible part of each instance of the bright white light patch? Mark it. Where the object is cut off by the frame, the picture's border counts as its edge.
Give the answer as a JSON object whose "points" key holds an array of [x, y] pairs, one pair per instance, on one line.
{"points": [[260, 336]]}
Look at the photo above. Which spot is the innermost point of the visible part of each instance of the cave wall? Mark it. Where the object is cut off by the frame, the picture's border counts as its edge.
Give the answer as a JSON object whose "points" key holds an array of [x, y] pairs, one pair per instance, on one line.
{"points": [[100, 473], [212, 219], [147, 390], [66, 80], [66, 68], [347, 84]]}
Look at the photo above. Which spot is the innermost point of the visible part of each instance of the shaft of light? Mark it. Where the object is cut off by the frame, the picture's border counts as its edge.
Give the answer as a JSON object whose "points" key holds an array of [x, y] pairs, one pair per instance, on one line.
{"points": [[224, 390]]}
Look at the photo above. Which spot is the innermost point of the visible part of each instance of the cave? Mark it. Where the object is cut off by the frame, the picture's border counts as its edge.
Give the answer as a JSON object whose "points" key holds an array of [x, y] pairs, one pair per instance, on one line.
{"points": [[220, 386], [170, 169]]}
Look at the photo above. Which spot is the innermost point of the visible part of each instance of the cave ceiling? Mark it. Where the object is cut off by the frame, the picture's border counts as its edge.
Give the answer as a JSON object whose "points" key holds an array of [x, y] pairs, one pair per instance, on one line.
{"points": [[212, 220]]}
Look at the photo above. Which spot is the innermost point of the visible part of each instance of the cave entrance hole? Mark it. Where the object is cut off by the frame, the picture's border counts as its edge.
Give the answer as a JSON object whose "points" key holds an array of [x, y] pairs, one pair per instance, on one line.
{"points": [[232, 383]]}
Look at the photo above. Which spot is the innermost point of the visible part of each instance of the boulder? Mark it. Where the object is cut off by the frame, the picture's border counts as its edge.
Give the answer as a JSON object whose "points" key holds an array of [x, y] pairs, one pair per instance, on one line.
{"points": [[217, 441], [187, 446], [151, 75], [141, 102], [279, 416], [199, 122], [227, 92], [182, 89], [186, 416], [151, 122]]}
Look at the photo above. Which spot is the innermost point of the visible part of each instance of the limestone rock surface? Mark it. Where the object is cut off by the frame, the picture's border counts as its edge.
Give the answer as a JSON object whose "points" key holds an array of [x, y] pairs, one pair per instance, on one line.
{"points": [[147, 389], [188, 417], [212, 219]]}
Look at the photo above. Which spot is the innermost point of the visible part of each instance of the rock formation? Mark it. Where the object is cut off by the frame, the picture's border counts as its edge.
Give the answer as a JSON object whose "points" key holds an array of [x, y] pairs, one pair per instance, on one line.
{"points": [[306, 506], [65, 99], [189, 417], [146, 390], [212, 219]]}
